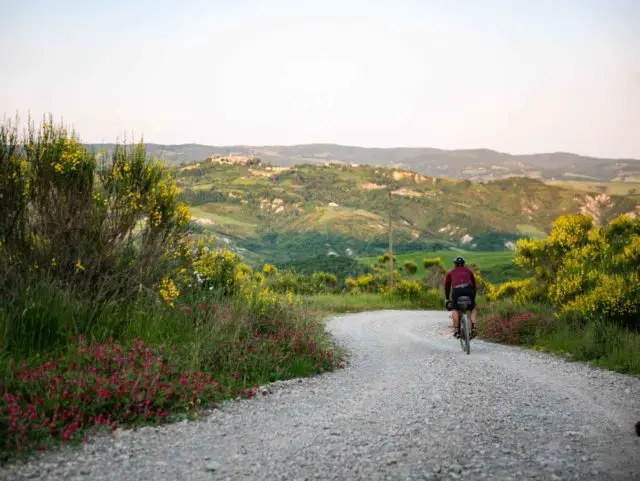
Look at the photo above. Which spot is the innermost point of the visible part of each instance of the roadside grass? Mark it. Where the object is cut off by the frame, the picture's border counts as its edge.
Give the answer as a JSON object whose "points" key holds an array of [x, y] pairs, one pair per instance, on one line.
{"points": [[600, 344], [603, 345]]}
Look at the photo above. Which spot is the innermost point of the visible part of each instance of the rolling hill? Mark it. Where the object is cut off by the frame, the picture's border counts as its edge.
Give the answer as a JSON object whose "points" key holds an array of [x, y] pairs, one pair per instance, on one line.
{"points": [[271, 213], [475, 164]]}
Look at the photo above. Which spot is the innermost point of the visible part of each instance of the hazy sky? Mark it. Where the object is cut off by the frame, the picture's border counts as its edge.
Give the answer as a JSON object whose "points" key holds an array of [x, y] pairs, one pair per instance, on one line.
{"points": [[519, 76]]}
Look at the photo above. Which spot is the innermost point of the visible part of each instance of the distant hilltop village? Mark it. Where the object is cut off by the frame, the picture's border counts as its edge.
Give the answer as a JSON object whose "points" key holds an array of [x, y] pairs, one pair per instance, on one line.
{"points": [[234, 159]]}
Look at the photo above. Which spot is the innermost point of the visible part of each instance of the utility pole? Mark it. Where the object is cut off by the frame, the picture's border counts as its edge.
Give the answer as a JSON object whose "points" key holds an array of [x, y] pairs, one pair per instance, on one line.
{"points": [[390, 244]]}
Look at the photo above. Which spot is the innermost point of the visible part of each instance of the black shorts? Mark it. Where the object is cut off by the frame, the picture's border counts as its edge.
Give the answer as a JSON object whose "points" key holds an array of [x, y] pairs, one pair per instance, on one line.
{"points": [[463, 291]]}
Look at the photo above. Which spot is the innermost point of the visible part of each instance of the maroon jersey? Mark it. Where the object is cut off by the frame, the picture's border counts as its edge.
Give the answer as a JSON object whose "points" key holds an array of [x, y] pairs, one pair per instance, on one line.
{"points": [[459, 276]]}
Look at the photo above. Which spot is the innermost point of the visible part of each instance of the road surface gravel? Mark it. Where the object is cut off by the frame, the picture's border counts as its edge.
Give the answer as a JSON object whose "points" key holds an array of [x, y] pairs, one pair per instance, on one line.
{"points": [[409, 406]]}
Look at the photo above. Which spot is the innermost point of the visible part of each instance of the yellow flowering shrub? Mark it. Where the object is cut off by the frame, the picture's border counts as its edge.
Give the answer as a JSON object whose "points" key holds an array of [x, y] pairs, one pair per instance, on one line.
{"points": [[216, 270], [121, 217], [432, 262], [367, 282], [588, 272], [614, 298], [407, 289], [521, 292], [350, 283], [168, 291], [269, 270]]}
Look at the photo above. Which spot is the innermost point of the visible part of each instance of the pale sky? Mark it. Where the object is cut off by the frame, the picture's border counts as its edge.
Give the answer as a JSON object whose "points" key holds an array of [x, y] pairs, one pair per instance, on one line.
{"points": [[519, 76]]}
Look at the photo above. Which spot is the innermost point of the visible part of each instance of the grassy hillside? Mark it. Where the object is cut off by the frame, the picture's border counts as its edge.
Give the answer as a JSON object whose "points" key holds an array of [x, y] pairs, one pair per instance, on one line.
{"points": [[474, 164], [277, 214], [630, 186]]}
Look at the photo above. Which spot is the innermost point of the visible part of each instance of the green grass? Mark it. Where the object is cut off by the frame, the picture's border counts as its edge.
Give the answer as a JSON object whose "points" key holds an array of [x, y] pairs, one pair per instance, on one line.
{"points": [[531, 231], [484, 260], [222, 222], [579, 176], [600, 344], [341, 303], [631, 186]]}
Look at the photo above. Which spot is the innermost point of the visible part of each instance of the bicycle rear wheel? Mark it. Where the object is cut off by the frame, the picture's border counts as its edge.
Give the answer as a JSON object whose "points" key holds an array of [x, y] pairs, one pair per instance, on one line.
{"points": [[465, 333]]}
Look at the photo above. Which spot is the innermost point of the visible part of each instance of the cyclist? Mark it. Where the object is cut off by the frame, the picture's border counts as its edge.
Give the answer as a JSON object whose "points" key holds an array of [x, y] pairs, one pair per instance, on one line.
{"points": [[460, 281]]}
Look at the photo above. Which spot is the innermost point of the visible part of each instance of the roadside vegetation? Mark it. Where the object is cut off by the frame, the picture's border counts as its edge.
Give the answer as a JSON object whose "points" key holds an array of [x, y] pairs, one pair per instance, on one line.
{"points": [[582, 298], [111, 313], [117, 310]]}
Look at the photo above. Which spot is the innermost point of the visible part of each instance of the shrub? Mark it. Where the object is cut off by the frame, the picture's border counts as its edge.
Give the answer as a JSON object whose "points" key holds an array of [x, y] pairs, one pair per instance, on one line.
{"points": [[407, 289], [614, 298], [385, 258], [368, 282], [521, 292], [350, 283], [410, 267], [221, 270], [96, 384], [511, 323], [269, 270], [323, 280], [434, 276], [589, 272], [103, 229], [432, 262], [288, 281]]}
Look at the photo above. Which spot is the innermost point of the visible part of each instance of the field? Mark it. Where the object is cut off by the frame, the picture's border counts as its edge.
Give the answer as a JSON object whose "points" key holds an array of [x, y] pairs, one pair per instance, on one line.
{"points": [[483, 260], [630, 187], [213, 221], [531, 231]]}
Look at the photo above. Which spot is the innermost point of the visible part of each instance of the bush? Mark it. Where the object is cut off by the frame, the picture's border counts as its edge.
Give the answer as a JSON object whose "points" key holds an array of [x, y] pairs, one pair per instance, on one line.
{"points": [[410, 267], [614, 298], [432, 262], [385, 258], [589, 272], [288, 281], [434, 276], [103, 229], [96, 384], [521, 292], [511, 323], [407, 289]]}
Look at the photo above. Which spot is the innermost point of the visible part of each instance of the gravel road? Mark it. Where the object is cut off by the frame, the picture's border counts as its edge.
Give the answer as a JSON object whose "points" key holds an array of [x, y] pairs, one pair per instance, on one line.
{"points": [[409, 406]]}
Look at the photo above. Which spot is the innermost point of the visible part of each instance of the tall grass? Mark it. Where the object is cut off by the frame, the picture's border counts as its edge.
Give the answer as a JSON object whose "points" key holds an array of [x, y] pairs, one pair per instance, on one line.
{"points": [[601, 344]]}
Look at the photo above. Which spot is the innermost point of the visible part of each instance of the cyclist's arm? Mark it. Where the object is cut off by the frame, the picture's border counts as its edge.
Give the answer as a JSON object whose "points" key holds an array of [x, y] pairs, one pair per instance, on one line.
{"points": [[473, 280]]}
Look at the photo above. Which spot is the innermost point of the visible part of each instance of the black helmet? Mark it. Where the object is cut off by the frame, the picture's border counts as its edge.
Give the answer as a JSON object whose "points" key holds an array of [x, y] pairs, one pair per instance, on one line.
{"points": [[459, 261]]}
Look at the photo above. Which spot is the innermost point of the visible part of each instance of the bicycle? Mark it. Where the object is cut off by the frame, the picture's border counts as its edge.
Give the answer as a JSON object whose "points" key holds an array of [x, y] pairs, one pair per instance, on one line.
{"points": [[462, 306]]}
